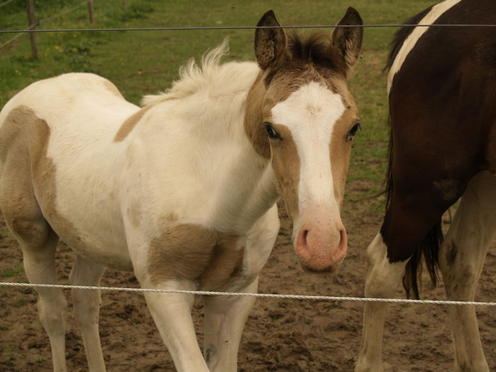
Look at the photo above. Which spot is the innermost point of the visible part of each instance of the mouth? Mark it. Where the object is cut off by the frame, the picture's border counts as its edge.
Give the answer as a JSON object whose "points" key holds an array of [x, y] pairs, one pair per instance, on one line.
{"points": [[326, 270]]}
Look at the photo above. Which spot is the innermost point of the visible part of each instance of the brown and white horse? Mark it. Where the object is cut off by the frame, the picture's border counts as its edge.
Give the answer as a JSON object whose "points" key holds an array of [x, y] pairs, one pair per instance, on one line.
{"points": [[442, 89], [182, 191]]}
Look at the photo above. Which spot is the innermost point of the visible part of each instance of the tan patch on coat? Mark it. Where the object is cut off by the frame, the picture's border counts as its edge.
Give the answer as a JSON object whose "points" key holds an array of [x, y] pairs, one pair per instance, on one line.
{"points": [[129, 124], [285, 160], [286, 165], [254, 119], [262, 98], [21, 211], [112, 88], [28, 187], [193, 252], [340, 150]]}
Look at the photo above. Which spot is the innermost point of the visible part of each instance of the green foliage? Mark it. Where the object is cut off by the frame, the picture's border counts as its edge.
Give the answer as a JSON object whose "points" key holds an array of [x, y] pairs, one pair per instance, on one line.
{"points": [[17, 6], [12, 272], [135, 11]]}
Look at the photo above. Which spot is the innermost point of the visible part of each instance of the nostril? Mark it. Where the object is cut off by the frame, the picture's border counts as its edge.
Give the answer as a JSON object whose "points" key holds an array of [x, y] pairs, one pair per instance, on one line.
{"points": [[302, 242], [343, 239], [305, 235]]}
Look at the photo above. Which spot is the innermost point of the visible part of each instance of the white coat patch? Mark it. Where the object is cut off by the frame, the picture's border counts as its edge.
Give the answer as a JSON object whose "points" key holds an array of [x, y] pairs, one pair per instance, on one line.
{"points": [[310, 114]]}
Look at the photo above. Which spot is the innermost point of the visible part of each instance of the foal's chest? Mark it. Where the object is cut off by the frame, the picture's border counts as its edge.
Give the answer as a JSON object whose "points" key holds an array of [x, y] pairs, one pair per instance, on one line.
{"points": [[192, 252]]}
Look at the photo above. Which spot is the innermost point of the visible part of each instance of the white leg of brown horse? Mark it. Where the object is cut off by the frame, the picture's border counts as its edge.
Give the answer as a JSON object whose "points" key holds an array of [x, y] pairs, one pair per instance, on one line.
{"points": [[383, 280], [172, 315], [86, 310], [225, 318], [462, 258]]}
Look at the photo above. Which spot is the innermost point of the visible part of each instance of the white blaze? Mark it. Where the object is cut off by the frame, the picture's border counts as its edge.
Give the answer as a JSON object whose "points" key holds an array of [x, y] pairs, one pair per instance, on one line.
{"points": [[410, 42], [310, 114]]}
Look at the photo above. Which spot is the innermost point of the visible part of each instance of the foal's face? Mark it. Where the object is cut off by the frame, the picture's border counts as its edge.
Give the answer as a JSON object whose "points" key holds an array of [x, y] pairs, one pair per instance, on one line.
{"points": [[310, 118], [310, 135]]}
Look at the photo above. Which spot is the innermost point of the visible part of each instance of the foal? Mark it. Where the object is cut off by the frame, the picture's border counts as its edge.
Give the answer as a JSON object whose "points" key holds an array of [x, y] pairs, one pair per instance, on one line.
{"points": [[182, 191]]}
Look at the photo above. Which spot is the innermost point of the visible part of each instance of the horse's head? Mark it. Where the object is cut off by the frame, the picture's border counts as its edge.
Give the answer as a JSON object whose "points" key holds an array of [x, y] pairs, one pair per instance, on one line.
{"points": [[305, 126]]}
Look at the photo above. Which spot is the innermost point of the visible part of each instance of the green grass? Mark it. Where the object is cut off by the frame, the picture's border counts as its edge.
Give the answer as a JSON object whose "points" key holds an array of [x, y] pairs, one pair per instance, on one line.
{"points": [[11, 272], [145, 62]]}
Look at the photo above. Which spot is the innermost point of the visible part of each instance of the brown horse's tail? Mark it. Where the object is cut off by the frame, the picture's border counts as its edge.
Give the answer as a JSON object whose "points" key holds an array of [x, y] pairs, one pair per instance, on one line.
{"points": [[429, 249]]}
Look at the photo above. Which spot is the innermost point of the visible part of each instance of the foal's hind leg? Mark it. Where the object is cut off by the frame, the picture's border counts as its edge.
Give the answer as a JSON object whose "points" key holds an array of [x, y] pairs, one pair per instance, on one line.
{"points": [[38, 241], [86, 309], [462, 258]]}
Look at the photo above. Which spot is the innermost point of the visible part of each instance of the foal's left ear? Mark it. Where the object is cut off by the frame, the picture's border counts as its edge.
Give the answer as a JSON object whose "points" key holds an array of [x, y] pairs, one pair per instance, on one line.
{"points": [[348, 40], [270, 42]]}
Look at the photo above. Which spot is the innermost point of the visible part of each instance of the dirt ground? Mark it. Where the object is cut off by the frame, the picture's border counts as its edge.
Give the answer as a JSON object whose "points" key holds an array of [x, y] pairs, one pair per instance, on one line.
{"points": [[280, 335]]}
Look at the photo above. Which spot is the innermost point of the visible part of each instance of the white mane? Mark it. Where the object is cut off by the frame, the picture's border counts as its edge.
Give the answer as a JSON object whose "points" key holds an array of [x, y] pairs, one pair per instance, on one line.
{"points": [[217, 78]]}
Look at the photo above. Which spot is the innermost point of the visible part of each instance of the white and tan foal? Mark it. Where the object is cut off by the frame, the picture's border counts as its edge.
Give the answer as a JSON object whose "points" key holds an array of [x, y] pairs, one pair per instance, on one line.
{"points": [[183, 190]]}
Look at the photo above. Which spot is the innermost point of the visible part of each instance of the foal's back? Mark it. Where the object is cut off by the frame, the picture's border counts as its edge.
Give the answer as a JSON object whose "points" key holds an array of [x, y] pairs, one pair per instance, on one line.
{"points": [[81, 100], [57, 162]]}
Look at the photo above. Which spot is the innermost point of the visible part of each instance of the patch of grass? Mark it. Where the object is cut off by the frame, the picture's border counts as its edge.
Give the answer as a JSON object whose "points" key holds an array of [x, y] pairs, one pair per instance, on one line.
{"points": [[40, 359], [11, 272], [135, 11], [10, 351], [20, 301]]}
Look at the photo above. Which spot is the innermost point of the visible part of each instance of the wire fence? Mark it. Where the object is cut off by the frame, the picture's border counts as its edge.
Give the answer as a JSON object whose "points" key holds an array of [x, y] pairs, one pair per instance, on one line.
{"points": [[216, 28], [5, 3], [40, 22], [245, 294], [21, 32]]}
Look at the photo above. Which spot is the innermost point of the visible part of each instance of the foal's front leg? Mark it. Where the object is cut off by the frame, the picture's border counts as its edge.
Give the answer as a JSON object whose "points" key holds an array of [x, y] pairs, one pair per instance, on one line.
{"points": [[172, 315], [383, 280], [225, 318]]}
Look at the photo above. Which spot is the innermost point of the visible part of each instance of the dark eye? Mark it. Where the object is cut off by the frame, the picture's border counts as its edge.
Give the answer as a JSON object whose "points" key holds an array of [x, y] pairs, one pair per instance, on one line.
{"points": [[353, 131], [271, 132]]}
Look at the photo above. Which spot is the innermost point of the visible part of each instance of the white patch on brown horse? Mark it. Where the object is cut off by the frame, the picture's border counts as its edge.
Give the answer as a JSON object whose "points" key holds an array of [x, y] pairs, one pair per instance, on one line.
{"points": [[436, 12]]}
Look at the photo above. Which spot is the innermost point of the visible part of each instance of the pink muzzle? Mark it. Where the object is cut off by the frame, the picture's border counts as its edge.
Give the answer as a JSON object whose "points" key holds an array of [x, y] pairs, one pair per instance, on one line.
{"points": [[321, 241]]}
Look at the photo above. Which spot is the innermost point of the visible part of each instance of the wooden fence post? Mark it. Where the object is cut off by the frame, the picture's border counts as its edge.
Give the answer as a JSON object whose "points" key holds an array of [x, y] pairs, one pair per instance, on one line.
{"points": [[32, 25], [91, 10]]}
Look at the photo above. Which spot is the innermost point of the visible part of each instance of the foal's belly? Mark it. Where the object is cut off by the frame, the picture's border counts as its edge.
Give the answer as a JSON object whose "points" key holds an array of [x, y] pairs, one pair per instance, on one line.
{"points": [[89, 234], [112, 257]]}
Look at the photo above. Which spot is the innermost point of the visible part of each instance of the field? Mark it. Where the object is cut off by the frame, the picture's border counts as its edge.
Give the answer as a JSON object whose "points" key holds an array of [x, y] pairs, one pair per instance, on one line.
{"points": [[281, 335]]}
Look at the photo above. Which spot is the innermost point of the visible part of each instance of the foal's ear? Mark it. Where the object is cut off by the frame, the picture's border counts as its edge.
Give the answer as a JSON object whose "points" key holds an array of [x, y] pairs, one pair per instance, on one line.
{"points": [[270, 43], [348, 40]]}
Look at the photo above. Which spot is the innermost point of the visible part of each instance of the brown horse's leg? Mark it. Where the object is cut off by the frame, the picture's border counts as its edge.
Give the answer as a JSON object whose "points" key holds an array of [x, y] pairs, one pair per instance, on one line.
{"points": [[38, 241], [383, 280], [461, 259], [86, 310]]}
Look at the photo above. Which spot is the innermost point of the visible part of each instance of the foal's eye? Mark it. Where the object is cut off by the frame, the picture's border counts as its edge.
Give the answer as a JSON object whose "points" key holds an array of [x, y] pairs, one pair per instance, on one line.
{"points": [[271, 132], [353, 131]]}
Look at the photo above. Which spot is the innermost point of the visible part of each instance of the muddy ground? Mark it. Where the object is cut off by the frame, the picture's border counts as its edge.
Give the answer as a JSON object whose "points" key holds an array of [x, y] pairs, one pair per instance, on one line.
{"points": [[280, 335]]}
